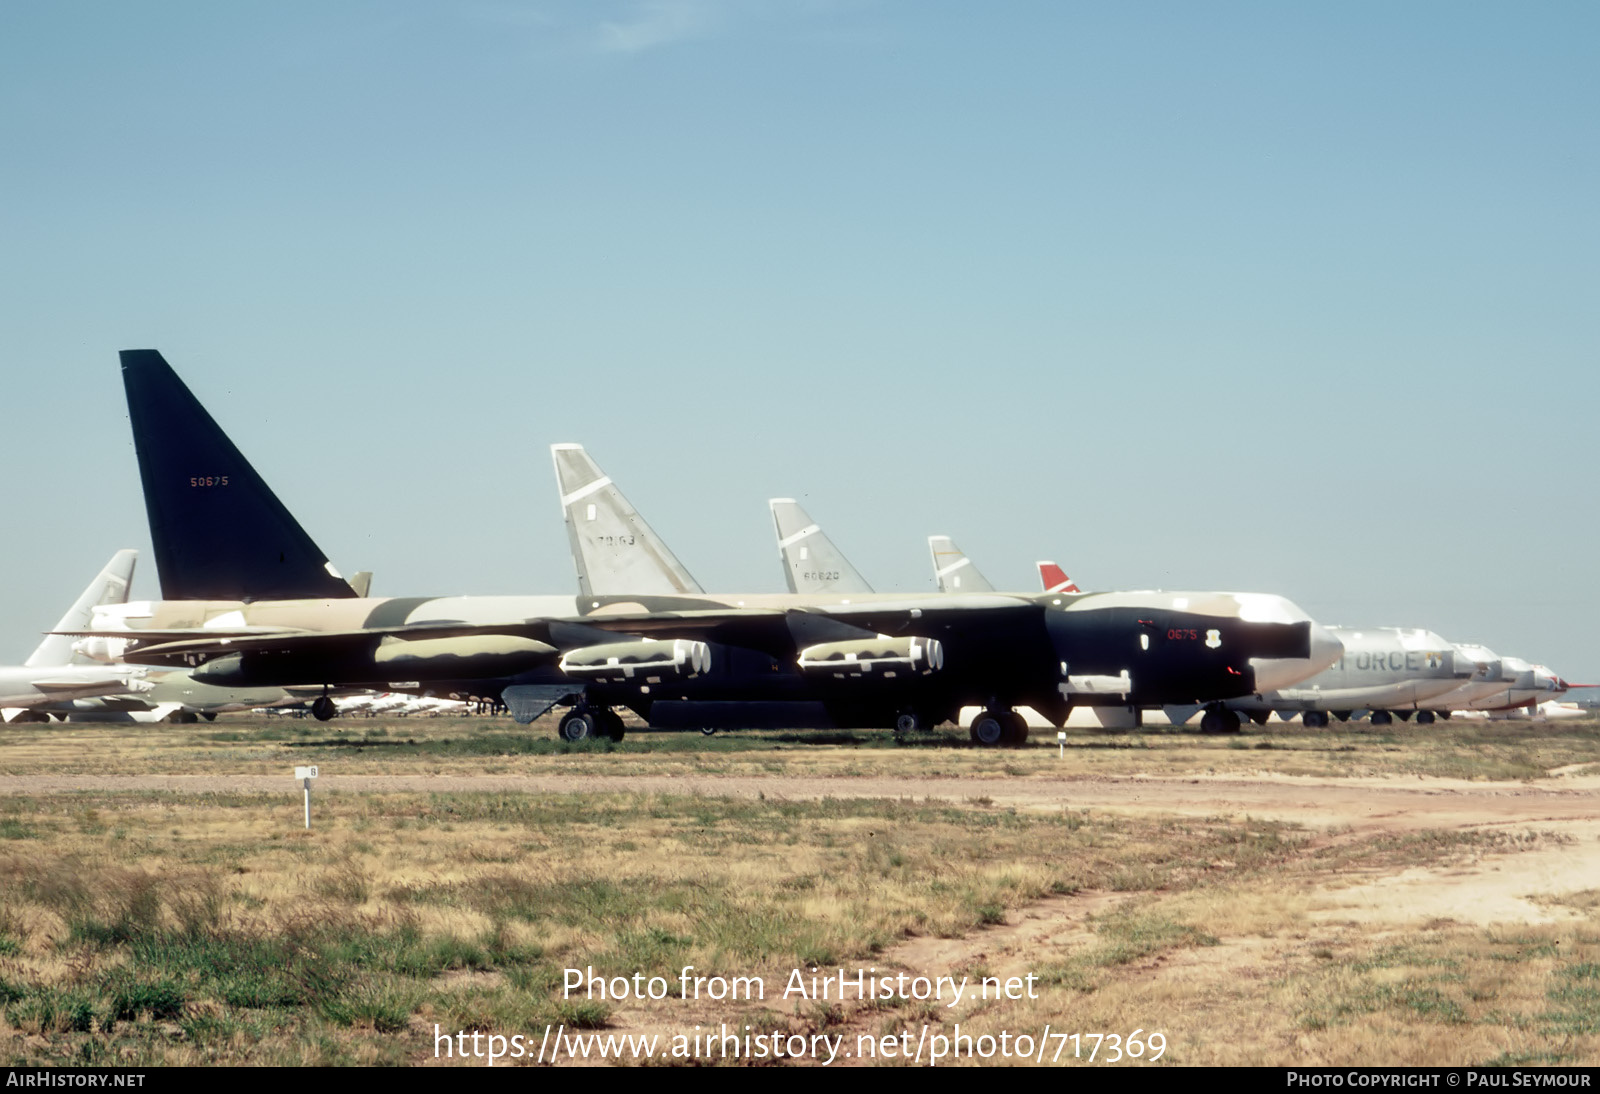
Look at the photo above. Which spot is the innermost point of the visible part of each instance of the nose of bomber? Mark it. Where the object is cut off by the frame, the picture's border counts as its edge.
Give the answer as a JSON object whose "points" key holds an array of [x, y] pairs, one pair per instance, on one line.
{"points": [[1281, 672], [1326, 649]]}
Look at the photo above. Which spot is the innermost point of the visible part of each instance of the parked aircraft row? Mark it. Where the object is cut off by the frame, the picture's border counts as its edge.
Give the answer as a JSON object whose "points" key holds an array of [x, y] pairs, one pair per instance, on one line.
{"points": [[250, 601], [1384, 670], [84, 679]]}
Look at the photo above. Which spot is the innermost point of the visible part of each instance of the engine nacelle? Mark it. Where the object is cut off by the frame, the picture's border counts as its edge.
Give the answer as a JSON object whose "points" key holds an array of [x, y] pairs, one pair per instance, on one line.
{"points": [[641, 662], [102, 649], [882, 658]]}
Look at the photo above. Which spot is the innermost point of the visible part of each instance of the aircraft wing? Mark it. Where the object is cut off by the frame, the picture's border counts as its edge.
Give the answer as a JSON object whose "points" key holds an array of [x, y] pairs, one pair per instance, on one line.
{"points": [[380, 652], [780, 633], [176, 634], [181, 648]]}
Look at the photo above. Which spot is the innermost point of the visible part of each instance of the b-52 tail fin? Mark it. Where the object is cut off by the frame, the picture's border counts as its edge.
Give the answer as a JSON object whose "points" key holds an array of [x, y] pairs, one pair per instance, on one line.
{"points": [[615, 551], [811, 563], [953, 570], [1055, 580], [110, 586], [219, 531]]}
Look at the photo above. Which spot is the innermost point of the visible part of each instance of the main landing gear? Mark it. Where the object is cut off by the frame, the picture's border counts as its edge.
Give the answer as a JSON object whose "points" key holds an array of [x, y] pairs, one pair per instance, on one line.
{"points": [[585, 723], [1219, 719], [994, 728], [322, 708]]}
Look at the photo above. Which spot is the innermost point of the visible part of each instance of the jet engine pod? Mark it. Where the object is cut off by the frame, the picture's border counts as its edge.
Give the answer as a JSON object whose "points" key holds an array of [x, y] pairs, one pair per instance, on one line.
{"points": [[100, 648], [882, 657], [642, 662]]}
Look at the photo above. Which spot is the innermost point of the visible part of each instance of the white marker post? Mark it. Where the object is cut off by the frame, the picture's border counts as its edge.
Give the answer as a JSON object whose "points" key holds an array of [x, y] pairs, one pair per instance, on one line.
{"points": [[1061, 742], [305, 775]]}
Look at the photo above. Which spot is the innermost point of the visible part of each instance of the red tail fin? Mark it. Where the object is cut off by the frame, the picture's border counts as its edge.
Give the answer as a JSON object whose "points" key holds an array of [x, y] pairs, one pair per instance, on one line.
{"points": [[1055, 580]]}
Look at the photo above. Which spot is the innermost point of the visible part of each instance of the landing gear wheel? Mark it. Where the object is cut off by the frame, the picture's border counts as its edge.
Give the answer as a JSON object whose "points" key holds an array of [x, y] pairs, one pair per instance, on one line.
{"points": [[579, 725], [1424, 717], [989, 729], [611, 724], [1219, 720], [1314, 719], [915, 721], [1382, 718], [322, 708], [1016, 729], [706, 731]]}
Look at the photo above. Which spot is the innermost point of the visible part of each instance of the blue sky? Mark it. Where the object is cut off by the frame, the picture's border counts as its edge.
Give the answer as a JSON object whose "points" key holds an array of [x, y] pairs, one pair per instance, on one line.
{"points": [[1280, 297]]}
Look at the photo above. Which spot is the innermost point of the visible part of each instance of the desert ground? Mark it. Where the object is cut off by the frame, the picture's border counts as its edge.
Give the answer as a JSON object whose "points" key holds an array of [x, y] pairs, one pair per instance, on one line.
{"points": [[1358, 895]]}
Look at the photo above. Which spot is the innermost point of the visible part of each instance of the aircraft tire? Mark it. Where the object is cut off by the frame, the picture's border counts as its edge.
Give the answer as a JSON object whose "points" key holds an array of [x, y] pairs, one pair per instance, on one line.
{"points": [[1314, 719], [322, 708], [989, 729], [611, 725], [1425, 717], [914, 721], [578, 725], [1016, 729], [1382, 718], [707, 731], [1219, 720]]}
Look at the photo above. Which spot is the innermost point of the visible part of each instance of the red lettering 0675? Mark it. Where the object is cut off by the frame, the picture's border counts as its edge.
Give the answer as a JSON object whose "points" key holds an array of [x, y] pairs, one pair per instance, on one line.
{"points": [[1183, 633]]}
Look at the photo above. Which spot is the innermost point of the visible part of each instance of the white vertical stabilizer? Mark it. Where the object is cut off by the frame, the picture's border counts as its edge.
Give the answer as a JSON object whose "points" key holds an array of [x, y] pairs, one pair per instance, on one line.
{"points": [[811, 563], [110, 586], [953, 570], [615, 551]]}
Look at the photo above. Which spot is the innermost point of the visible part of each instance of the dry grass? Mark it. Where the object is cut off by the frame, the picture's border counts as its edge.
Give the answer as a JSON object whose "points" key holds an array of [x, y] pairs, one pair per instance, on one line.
{"points": [[149, 928], [1468, 749], [153, 928]]}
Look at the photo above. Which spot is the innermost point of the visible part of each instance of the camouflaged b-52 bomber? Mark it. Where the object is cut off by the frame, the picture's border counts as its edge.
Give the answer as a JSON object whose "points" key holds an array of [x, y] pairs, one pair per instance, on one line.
{"points": [[249, 600]]}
